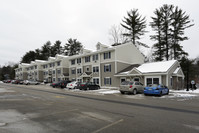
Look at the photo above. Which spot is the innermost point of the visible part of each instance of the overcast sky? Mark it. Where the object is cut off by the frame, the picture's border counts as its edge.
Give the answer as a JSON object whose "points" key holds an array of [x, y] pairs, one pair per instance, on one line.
{"points": [[28, 24]]}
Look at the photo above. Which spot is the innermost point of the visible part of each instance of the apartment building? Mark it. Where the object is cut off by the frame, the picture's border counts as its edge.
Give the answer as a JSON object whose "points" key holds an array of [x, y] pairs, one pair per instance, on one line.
{"points": [[101, 65], [21, 71], [35, 70], [56, 69]]}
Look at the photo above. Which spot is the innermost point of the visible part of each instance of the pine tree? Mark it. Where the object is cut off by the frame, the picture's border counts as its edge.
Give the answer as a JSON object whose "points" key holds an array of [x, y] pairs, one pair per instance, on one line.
{"points": [[135, 24], [156, 25], [72, 47], [56, 48], [46, 50], [169, 23], [180, 21]]}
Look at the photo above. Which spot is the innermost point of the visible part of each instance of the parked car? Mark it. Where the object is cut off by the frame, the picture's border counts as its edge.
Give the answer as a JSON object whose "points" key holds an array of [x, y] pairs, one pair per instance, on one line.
{"points": [[17, 81], [131, 87], [7, 81], [30, 82], [72, 85], [156, 89], [61, 84], [88, 86]]}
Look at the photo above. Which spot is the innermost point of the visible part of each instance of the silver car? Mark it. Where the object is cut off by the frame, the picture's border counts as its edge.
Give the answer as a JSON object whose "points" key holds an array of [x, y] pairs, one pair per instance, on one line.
{"points": [[30, 82], [131, 87]]}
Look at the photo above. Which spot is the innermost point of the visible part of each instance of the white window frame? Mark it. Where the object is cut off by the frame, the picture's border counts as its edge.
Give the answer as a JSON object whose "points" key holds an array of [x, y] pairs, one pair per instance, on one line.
{"points": [[145, 79], [122, 78], [98, 80]]}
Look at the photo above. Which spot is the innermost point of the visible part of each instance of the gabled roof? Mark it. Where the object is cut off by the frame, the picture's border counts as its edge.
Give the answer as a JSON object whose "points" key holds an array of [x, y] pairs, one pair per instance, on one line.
{"points": [[156, 67]]}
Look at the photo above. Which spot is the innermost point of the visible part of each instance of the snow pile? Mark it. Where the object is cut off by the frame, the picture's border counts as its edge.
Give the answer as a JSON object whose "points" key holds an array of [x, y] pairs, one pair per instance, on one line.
{"points": [[182, 95], [109, 92], [185, 91], [1, 82]]}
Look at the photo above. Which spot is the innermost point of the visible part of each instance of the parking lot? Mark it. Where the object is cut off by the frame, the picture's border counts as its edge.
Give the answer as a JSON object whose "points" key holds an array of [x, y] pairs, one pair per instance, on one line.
{"points": [[41, 108]]}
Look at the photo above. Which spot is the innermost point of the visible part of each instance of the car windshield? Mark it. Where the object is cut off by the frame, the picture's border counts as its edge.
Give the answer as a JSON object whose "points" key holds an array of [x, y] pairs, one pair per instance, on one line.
{"points": [[127, 83], [152, 85]]}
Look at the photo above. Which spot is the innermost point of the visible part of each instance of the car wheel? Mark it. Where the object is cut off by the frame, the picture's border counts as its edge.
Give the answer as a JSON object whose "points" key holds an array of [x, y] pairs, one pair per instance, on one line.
{"points": [[122, 92], [168, 92], [160, 94], [134, 91]]}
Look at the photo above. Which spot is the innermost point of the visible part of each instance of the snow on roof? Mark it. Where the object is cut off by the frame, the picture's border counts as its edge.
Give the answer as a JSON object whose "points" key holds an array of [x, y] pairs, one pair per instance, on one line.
{"points": [[162, 66], [176, 71]]}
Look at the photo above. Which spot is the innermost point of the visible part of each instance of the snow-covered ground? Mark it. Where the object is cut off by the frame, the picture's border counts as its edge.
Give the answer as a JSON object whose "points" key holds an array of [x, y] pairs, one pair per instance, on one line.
{"points": [[3, 90], [180, 95]]}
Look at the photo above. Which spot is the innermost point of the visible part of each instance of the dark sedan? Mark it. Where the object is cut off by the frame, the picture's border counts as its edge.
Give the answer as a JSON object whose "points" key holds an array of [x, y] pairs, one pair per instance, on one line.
{"points": [[88, 86], [61, 84]]}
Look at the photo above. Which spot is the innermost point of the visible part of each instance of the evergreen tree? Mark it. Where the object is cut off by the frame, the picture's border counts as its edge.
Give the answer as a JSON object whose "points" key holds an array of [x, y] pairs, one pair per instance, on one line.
{"points": [[156, 25], [56, 48], [166, 11], [72, 47], [46, 50], [135, 25], [28, 57], [169, 23], [180, 21]]}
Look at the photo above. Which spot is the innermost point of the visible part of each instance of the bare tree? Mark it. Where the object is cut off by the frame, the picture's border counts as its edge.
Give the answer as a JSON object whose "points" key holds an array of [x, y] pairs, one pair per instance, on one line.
{"points": [[116, 35]]}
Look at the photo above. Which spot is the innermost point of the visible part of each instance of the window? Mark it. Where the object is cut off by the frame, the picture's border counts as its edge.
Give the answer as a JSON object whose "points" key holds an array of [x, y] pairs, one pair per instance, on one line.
{"points": [[73, 71], [44, 73], [107, 55], [152, 81], [78, 60], [53, 79], [95, 57], [96, 69], [79, 70], [149, 81], [155, 80], [96, 81], [58, 63], [123, 79], [107, 81], [59, 71], [79, 80], [87, 69], [53, 71], [137, 79], [72, 62], [87, 59], [107, 68], [35, 67], [50, 65], [59, 79]]}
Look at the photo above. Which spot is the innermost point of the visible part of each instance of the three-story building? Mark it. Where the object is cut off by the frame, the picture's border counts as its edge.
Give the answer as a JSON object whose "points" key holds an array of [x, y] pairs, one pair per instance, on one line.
{"points": [[101, 65]]}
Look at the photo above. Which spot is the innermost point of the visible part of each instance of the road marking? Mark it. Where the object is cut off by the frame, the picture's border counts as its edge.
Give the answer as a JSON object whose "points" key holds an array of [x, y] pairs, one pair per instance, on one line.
{"points": [[110, 125]]}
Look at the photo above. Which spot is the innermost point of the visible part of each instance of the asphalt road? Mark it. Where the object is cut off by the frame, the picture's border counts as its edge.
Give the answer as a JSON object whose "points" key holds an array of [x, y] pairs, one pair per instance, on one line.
{"points": [[40, 109]]}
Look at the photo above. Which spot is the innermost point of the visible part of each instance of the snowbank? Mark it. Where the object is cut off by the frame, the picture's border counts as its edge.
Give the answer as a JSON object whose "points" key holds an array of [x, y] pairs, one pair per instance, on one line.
{"points": [[185, 91]]}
